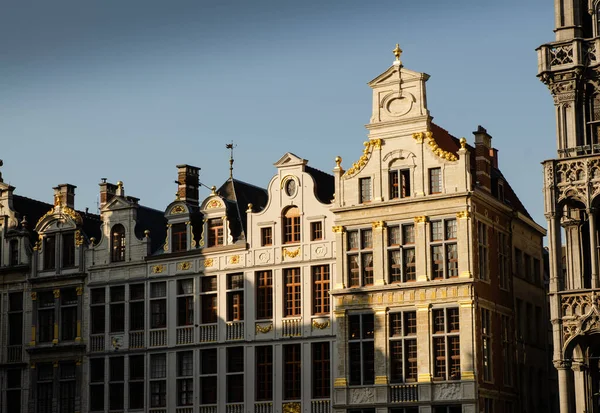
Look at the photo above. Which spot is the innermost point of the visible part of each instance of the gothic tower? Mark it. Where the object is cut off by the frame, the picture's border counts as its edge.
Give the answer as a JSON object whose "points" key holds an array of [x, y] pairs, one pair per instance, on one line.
{"points": [[570, 67]]}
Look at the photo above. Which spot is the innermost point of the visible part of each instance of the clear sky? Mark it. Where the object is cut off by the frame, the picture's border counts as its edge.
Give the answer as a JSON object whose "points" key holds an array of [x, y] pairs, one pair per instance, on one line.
{"points": [[126, 90]]}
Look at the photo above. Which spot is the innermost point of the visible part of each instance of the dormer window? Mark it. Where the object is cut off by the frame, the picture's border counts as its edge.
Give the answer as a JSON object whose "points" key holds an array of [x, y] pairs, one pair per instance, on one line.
{"points": [[400, 184], [179, 237], [291, 225], [215, 232], [13, 252], [68, 249], [501, 191], [117, 237], [49, 253]]}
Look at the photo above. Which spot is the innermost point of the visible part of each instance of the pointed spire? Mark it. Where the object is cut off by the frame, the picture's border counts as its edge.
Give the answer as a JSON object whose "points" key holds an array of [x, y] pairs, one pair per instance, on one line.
{"points": [[230, 146]]}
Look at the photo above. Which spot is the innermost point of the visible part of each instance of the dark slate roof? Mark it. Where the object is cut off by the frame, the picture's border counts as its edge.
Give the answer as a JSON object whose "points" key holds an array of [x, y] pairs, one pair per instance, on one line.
{"points": [[324, 184], [238, 195], [34, 210], [451, 144], [154, 221]]}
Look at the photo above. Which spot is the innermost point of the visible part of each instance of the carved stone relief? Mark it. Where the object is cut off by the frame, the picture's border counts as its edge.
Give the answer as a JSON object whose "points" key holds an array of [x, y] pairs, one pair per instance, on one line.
{"points": [[446, 391]]}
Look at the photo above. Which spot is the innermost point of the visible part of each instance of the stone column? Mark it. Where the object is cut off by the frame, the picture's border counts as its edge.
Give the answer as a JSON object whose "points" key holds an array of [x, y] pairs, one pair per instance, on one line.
{"points": [[56, 293], [421, 250], [33, 318], [593, 247], [340, 260], [379, 267], [464, 244], [381, 357], [79, 291], [579, 386], [563, 368], [340, 349], [467, 338], [424, 343], [554, 249]]}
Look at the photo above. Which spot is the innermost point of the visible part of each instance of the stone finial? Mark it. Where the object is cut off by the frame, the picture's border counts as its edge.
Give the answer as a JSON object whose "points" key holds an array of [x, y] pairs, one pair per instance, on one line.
{"points": [[397, 52], [463, 143], [1, 163], [338, 161]]}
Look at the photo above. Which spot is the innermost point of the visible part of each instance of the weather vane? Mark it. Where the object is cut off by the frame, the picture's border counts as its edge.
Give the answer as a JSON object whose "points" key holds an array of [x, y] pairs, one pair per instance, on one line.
{"points": [[230, 146]]}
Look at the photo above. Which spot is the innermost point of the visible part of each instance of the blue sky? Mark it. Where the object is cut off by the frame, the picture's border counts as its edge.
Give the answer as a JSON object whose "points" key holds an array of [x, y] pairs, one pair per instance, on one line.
{"points": [[126, 90]]}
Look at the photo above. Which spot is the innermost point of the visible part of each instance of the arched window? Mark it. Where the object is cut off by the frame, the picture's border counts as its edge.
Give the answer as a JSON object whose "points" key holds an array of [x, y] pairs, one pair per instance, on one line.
{"points": [[117, 237], [291, 225]]}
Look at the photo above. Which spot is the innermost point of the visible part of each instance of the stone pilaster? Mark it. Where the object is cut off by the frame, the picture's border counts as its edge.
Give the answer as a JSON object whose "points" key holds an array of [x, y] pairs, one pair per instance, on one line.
{"points": [[423, 343], [340, 260], [421, 249], [464, 222], [467, 337], [379, 268]]}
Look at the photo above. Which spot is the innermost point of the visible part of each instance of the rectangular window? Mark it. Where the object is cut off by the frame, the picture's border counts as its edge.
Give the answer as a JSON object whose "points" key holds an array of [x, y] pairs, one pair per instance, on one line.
{"points": [[360, 258], [321, 380], [503, 261], [136, 382], [185, 302], [486, 343], [208, 376], [179, 237], [117, 309], [320, 289], [97, 384], [537, 280], [527, 267], [400, 184], [136, 307], [361, 349], [266, 236], [208, 299], [444, 250], [401, 253], [116, 386], [264, 295], [158, 305], [519, 263], [45, 386], [13, 252], [264, 373], [365, 190], [185, 382], [403, 347], [292, 301], [49, 253], [68, 314], [46, 316], [316, 231], [446, 344], [291, 372], [97, 310], [158, 382], [482, 243], [66, 387], [13, 390], [506, 350], [15, 319], [68, 249], [291, 225], [215, 232], [235, 375], [235, 297], [435, 180]]}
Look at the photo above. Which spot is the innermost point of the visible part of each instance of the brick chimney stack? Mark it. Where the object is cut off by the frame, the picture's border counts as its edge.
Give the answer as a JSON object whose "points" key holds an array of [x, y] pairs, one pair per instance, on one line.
{"points": [[107, 192], [483, 158], [64, 194], [188, 183]]}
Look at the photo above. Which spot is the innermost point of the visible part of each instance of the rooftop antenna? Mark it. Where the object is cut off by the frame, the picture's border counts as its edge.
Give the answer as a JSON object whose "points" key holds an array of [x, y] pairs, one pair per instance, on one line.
{"points": [[230, 146]]}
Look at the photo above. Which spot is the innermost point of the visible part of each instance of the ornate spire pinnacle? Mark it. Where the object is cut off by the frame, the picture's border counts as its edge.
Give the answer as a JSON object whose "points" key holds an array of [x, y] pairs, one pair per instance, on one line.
{"points": [[230, 146], [397, 52]]}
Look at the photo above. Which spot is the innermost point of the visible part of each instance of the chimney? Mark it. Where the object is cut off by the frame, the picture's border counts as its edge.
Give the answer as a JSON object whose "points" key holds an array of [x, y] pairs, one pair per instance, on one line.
{"points": [[64, 194], [494, 156], [188, 183], [107, 192], [483, 158]]}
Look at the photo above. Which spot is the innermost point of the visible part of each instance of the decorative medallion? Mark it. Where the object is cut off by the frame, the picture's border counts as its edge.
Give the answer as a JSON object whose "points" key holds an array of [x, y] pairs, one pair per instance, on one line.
{"points": [[320, 326], [79, 290], [290, 253], [338, 229], [208, 262], [158, 269], [264, 329], [184, 266], [215, 203], [292, 407], [34, 296], [56, 293], [290, 187], [178, 209], [234, 259]]}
